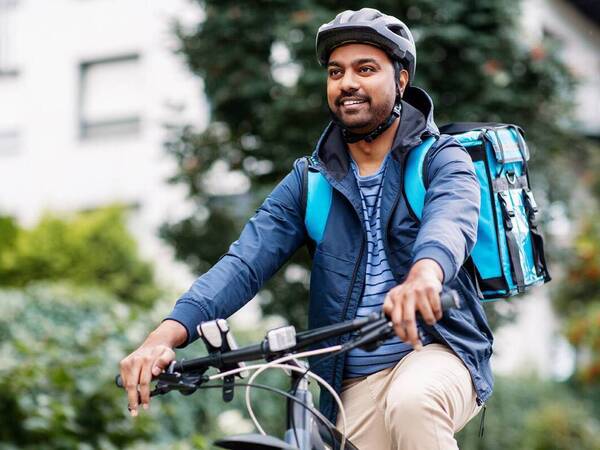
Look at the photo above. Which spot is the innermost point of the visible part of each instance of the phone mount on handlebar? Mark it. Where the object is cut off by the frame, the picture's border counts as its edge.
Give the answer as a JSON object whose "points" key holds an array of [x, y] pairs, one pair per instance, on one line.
{"points": [[218, 339]]}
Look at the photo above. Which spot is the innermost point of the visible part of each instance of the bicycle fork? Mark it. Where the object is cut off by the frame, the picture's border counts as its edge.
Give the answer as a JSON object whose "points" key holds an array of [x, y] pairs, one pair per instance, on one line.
{"points": [[306, 435]]}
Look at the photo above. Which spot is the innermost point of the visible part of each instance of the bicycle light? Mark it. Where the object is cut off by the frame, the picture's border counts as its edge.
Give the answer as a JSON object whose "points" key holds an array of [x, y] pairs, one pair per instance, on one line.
{"points": [[282, 338]]}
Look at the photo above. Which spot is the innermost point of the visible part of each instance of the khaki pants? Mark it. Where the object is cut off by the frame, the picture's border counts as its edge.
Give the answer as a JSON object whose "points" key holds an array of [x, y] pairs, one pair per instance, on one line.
{"points": [[418, 404]]}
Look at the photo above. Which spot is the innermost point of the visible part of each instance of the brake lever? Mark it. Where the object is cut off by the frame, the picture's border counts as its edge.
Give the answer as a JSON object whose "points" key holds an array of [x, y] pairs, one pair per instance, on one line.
{"points": [[168, 382]]}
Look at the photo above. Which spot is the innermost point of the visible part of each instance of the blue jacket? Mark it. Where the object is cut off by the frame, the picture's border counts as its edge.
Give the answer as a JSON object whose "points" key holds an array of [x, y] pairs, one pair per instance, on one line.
{"points": [[446, 234]]}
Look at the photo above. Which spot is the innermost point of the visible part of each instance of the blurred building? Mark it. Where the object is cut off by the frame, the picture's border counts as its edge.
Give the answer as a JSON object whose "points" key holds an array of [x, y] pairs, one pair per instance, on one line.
{"points": [[86, 88], [575, 26]]}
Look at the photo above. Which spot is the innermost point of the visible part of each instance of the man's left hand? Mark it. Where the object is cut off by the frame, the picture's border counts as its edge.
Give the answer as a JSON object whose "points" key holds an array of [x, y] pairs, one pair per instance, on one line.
{"points": [[420, 292]]}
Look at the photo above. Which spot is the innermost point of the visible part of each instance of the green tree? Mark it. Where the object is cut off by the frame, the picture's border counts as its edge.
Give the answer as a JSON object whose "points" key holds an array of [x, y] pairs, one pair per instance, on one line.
{"points": [[471, 59], [92, 248], [577, 300]]}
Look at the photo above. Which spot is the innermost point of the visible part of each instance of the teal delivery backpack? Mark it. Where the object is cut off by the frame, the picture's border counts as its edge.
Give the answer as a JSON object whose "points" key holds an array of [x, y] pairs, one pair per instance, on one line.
{"points": [[508, 256]]}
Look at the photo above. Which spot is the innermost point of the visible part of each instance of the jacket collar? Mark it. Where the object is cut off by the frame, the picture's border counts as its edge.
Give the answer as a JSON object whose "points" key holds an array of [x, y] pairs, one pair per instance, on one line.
{"points": [[416, 123]]}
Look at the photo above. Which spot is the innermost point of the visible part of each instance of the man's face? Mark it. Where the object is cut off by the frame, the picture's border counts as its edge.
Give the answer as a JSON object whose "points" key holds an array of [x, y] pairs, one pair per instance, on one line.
{"points": [[361, 89]]}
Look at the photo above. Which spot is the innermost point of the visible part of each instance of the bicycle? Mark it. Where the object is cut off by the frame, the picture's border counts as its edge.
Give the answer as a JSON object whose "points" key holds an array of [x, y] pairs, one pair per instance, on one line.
{"points": [[282, 347]]}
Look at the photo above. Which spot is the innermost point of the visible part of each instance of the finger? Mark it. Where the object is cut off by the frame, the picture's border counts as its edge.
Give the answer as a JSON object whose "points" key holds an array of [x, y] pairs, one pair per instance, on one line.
{"points": [[130, 381], [388, 305], [425, 308], [435, 301], [396, 314], [410, 322], [145, 378]]}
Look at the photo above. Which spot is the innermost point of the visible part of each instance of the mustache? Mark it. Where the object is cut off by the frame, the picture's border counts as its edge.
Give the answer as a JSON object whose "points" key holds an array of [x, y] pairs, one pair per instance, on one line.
{"points": [[341, 98]]}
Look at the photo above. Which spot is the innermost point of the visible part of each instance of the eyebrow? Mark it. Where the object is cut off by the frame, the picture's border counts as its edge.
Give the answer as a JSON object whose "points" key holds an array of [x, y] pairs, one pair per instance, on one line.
{"points": [[356, 62]]}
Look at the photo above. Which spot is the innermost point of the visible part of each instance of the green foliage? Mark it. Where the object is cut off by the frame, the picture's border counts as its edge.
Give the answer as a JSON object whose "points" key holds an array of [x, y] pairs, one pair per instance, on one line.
{"points": [[60, 350], [532, 415], [90, 248], [472, 59], [578, 299], [561, 426]]}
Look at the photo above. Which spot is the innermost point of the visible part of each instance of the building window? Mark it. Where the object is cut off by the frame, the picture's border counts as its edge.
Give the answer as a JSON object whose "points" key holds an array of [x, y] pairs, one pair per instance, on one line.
{"points": [[11, 115], [110, 97], [9, 66], [10, 142]]}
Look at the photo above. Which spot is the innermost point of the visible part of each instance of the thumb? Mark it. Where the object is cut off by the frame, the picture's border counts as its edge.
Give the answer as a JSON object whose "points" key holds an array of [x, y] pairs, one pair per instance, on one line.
{"points": [[162, 362], [387, 305]]}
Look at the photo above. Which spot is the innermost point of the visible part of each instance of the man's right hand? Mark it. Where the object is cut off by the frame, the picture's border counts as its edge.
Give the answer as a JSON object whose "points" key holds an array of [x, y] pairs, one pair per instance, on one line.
{"points": [[148, 361]]}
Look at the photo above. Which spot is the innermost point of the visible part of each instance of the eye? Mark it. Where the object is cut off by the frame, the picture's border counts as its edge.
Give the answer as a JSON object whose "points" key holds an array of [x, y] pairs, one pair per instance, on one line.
{"points": [[334, 73], [366, 69]]}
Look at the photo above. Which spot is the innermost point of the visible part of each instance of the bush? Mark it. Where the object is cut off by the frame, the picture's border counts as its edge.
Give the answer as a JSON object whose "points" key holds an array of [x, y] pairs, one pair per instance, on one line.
{"points": [[523, 414], [561, 426], [91, 248], [59, 352]]}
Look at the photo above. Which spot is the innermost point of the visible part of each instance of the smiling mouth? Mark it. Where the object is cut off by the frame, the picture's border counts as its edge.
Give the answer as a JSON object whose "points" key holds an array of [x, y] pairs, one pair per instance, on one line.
{"points": [[350, 102]]}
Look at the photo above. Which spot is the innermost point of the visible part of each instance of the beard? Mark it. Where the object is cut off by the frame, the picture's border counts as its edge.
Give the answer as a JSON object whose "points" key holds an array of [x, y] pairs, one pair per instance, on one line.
{"points": [[366, 119]]}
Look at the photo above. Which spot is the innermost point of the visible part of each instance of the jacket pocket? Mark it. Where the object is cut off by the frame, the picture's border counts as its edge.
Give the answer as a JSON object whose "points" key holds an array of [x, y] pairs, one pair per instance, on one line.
{"points": [[330, 276]]}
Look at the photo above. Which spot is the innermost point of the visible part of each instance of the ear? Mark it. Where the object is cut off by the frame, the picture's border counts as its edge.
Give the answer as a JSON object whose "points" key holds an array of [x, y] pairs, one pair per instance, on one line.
{"points": [[403, 81]]}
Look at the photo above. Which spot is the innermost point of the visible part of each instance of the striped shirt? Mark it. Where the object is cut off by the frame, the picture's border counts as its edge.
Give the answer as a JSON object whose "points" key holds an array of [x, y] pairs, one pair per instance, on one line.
{"points": [[379, 280]]}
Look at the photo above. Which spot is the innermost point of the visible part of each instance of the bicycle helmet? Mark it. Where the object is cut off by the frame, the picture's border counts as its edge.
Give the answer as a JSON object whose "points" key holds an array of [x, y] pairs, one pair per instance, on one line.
{"points": [[370, 26]]}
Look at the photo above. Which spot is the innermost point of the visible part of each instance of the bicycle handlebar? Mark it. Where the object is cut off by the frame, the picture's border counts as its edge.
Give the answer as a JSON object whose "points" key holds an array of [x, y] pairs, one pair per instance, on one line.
{"points": [[372, 329]]}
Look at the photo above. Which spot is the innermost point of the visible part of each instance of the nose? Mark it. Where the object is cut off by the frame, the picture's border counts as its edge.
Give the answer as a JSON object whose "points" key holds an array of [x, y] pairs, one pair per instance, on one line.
{"points": [[349, 82]]}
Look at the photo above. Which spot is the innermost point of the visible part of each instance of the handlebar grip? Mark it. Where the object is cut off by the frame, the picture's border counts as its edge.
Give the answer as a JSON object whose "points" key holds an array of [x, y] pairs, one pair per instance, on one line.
{"points": [[119, 381]]}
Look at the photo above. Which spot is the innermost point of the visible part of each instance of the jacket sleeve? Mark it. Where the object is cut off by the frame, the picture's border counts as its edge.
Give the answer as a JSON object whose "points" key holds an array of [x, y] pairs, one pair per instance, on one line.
{"points": [[451, 212], [267, 241]]}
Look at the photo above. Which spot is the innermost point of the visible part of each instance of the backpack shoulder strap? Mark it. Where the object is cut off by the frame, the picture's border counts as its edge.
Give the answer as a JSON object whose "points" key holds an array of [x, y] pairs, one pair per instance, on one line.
{"points": [[414, 183], [317, 201]]}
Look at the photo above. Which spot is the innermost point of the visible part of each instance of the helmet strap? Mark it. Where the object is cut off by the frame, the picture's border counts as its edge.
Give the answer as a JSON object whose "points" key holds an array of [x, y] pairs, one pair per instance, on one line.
{"points": [[352, 138]]}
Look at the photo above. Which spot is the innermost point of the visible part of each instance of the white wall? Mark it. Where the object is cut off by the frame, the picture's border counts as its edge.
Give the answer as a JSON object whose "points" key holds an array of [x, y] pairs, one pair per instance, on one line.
{"points": [[56, 170]]}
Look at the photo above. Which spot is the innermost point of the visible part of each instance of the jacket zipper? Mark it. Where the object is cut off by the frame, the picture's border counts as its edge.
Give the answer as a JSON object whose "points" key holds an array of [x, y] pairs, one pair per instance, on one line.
{"points": [[356, 266], [393, 208]]}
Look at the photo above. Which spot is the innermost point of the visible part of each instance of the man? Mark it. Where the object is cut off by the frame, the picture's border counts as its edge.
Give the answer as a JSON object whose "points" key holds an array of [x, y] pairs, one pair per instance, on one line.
{"points": [[422, 386]]}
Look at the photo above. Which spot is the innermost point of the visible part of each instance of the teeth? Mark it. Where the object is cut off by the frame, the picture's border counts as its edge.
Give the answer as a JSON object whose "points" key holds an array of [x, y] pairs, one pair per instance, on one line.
{"points": [[352, 102]]}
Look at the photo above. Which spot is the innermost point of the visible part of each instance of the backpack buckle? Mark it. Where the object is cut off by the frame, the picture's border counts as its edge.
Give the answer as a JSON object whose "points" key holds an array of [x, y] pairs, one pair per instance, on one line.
{"points": [[531, 203], [508, 211], [531, 207]]}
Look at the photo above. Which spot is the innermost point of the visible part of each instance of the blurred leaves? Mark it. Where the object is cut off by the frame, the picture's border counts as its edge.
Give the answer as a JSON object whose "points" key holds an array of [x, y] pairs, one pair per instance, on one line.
{"points": [[60, 348], [578, 299], [529, 414], [561, 426], [90, 248]]}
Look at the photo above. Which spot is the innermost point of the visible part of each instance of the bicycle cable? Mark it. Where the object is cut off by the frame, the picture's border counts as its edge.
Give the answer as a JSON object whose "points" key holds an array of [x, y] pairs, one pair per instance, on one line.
{"points": [[307, 372], [315, 412], [294, 389], [310, 375]]}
